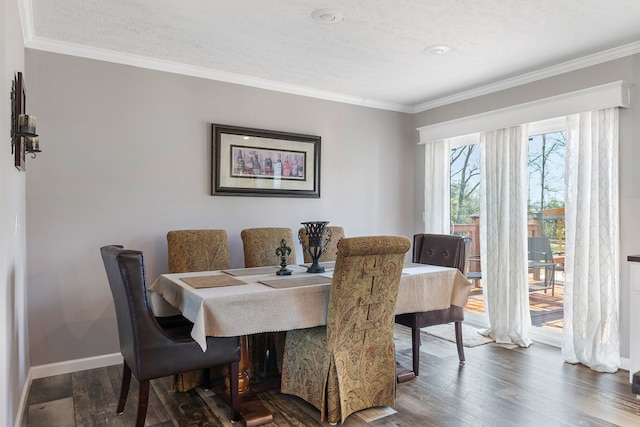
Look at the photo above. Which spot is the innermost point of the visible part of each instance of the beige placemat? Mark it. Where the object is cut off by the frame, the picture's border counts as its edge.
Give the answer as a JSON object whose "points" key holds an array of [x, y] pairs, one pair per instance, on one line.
{"points": [[211, 281], [252, 271], [293, 281]]}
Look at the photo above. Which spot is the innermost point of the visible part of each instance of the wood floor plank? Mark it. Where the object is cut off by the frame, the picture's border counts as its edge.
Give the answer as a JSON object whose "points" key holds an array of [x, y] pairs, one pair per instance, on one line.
{"points": [[50, 388], [496, 386], [55, 413]]}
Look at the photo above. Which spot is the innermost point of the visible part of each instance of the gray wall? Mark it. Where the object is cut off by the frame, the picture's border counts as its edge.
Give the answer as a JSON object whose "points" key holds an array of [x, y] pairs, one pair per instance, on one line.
{"points": [[126, 157], [14, 357], [622, 69]]}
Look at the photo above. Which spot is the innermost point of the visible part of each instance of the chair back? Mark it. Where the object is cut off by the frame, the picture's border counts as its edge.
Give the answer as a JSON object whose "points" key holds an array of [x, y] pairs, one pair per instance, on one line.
{"points": [[137, 327], [259, 245], [197, 250], [445, 250], [362, 299], [540, 249], [337, 233]]}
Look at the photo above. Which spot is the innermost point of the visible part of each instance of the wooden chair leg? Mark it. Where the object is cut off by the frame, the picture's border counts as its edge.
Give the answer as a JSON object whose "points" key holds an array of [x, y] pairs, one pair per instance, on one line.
{"points": [[143, 400], [124, 388], [415, 349], [206, 378], [233, 391], [459, 342]]}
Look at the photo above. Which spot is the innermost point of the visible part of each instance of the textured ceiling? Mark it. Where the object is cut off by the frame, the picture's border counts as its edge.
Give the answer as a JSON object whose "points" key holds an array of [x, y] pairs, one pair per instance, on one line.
{"points": [[375, 54]]}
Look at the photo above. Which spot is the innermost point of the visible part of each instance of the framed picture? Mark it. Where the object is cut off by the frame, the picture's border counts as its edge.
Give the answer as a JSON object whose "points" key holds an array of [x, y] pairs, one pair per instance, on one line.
{"points": [[257, 162]]}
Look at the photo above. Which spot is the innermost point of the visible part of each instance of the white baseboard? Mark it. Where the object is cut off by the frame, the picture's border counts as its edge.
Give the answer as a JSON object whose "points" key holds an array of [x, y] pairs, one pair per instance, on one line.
{"points": [[76, 365], [625, 363], [60, 368], [23, 400]]}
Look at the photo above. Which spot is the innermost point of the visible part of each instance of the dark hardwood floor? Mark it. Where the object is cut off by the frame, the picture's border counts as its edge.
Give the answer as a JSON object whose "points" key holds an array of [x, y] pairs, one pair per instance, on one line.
{"points": [[496, 387]]}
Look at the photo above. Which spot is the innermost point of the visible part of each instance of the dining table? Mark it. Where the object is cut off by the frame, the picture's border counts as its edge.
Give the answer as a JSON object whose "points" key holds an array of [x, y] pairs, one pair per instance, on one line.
{"points": [[245, 301]]}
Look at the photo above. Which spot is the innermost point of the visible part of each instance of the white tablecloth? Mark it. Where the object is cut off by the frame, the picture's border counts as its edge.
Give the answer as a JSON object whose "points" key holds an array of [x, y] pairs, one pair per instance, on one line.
{"points": [[254, 307]]}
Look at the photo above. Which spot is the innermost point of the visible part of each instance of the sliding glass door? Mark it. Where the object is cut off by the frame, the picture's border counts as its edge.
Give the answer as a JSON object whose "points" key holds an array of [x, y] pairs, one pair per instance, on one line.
{"points": [[546, 241]]}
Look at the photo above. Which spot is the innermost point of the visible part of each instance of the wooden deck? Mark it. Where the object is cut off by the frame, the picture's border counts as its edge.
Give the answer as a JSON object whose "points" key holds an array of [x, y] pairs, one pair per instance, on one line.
{"points": [[546, 310]]}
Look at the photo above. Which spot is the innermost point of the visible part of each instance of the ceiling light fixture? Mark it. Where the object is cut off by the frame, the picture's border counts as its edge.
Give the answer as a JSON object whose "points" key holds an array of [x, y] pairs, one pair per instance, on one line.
{"points": [[437, 50], [327, 16]]}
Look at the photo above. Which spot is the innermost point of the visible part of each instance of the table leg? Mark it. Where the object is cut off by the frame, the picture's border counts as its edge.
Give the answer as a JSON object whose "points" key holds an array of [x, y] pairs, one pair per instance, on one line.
{"points": [[243, 374], [252, 410]]}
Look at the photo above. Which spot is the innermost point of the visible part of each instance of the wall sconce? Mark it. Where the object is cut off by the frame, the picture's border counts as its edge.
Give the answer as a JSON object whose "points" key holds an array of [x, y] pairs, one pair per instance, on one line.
{"points": [[24, 138], [27, 130]]}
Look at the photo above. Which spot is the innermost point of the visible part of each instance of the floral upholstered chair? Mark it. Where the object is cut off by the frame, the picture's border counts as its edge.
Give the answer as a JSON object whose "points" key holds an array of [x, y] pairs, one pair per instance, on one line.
{"points": [[331, 254], [349, 364], [259, 245], [195, 250]]}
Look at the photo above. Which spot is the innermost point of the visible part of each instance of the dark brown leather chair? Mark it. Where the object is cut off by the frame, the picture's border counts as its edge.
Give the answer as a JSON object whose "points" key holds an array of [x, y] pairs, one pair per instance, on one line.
{"points": [[447, 251], [150, 350]]}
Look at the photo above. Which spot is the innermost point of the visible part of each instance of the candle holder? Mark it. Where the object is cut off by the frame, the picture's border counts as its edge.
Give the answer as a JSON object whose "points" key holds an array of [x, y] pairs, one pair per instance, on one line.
{"points": [[318, 237], [283, 252]]}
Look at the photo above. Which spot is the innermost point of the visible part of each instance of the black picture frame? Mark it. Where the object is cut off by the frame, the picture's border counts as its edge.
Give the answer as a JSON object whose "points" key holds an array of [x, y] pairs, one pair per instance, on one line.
{"points": [[264, 163]]}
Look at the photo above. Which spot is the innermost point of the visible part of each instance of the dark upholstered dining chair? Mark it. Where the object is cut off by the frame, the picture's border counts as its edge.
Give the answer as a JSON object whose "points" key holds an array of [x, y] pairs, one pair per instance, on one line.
{"points": [[196, 250], [331, 254], [446, 251], [149, 350], [349, 364]]}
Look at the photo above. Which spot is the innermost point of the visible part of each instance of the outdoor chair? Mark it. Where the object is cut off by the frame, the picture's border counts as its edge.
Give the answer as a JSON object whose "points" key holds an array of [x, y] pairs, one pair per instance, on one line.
{"points": [[541, 260]]}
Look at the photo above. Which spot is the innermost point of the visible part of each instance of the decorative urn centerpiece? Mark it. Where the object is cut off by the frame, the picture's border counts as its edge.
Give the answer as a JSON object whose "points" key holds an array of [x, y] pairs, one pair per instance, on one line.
{"points": [[318, 237]]}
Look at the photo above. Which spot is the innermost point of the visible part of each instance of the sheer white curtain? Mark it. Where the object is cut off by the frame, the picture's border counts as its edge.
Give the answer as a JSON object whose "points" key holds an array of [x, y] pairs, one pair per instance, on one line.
{"points": [[437, 184], [590, 332], [503, 234]]}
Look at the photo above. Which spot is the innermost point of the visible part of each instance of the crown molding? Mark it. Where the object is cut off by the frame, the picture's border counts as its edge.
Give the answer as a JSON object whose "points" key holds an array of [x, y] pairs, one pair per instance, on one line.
{"points": [[25, 8], [33, 42], [205, 73], [565, 67]]}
